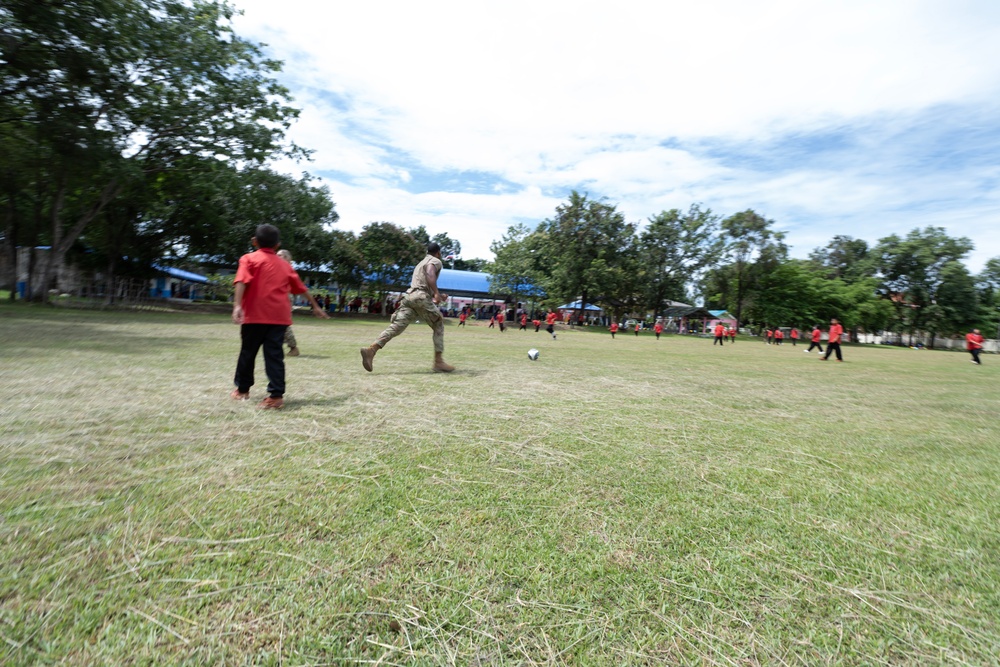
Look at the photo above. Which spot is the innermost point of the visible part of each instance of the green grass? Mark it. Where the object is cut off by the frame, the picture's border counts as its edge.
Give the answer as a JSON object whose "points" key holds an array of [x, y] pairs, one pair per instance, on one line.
{"points": [[626, 502]]}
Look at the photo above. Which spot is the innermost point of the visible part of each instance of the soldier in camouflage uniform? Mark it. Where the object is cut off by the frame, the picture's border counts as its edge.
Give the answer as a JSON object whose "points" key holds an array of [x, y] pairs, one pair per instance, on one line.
{"points": [[419, 302], [290, 341]]}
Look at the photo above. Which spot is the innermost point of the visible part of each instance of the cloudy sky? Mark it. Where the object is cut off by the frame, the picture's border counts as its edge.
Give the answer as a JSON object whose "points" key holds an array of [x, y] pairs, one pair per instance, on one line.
{"points": [[851, 117]]}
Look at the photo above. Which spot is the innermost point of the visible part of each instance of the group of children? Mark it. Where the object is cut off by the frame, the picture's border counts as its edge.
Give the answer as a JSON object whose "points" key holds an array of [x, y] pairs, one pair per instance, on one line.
{"points": [[261, 307]]}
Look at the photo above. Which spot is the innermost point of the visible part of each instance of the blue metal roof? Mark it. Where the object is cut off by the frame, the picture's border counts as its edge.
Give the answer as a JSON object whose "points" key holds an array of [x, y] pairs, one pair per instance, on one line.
{"points": [[464, 282], [181, 273], [576, 306]]}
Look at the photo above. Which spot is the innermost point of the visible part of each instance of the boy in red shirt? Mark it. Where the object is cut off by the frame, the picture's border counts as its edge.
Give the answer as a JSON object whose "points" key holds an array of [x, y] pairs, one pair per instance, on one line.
{"points": [[614, 329], [732, 334], [833, 344], [550, 323], [658, 329], [974, 344], [769, 334], [720, 332], [814, 340], [795, 336], [637, 327], [537, 323], [500, 320], [779, 336], [524, 322], [461, 318], [260, 306]]}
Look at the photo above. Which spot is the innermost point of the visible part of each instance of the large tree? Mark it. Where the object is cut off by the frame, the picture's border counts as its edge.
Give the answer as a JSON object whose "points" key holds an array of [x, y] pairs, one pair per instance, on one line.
{"points": [[587, 243], [673, 250], [515, 268], [912, 270], [390, 253], [753, 249], [844, 257], [107, 93]]}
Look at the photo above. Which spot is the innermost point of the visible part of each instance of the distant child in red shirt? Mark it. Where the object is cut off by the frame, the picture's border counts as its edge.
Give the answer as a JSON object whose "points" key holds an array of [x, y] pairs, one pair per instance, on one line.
{"points": [[974, 344], [550, 323], [493, 321], [833, 344], [720, 332], [637, 327], [779, 336], [500, 320], [537, 323], [732, 334], [461, 318], [260, 306], [524, 322], [769, 334], [658, 329], [614, 329], [794, 335], [814, 340]]}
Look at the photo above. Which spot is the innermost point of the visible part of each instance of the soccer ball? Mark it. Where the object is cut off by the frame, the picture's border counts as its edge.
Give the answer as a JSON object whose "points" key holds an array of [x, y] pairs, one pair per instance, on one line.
{"points": [[533, 354]]}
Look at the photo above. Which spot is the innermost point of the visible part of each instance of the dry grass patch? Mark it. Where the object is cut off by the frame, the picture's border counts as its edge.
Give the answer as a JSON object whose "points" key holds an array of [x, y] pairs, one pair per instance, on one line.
{"points": [[626, 501]]}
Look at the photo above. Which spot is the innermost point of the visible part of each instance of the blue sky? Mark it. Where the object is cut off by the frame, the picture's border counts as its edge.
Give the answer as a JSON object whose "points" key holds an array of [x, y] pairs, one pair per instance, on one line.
{"points": [[855, 118]]}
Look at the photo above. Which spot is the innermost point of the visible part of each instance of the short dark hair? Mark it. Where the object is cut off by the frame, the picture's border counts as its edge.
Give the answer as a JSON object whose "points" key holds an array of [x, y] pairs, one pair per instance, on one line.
{"points": [[267, 236], [433, 248]]}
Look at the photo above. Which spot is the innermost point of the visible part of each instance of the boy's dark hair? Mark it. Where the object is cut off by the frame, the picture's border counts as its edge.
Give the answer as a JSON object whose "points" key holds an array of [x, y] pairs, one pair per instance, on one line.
{"points": [[433, 248], [267, 236]]}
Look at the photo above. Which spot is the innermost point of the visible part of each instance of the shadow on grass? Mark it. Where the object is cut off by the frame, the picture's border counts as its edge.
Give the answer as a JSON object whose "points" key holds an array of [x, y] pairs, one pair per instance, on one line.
{"points": [[86, 337], [465, 372], [293, 404]]}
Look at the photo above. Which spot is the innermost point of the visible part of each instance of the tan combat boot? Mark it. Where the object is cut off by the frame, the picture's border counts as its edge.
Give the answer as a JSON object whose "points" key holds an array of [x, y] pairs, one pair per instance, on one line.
{"points": [[440, 365], [367, 355]]}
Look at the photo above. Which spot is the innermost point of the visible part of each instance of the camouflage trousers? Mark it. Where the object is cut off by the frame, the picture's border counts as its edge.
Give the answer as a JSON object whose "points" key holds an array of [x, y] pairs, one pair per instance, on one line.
{"points": [[415, 305], [290, 338]]}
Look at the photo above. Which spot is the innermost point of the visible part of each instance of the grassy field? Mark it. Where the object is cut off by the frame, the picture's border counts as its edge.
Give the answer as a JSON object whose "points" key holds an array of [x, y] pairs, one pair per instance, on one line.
{"points": [[626, 502]]}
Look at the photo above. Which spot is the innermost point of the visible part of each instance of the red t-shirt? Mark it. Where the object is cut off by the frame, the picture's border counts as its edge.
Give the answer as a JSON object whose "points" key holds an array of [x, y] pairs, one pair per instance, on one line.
{"points": [[461, 317], [779, 334], [614, 327], [500, 317], [658, 328], [637, 327], [836, 331], [719, 330], [816, 335], [524, 320], [769, 333], [794, 333], [973, 341], [550, 318], [536, 322], [268, 279]]}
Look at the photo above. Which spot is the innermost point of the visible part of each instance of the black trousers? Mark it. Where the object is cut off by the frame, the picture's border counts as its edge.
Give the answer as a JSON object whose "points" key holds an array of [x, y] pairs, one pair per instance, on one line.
{"points": [[718, 339], [270, 337], [813, 344], [975, 354], [833, 347]]}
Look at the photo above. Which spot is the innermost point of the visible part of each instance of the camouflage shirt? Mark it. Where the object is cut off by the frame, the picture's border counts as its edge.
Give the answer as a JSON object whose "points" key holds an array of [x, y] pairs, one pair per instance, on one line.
{"points": [[419, 281]]}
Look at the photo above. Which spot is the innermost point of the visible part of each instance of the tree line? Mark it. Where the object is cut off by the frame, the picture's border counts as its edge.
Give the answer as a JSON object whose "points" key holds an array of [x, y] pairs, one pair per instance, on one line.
{"points": [[740, 263], [136, 132]]}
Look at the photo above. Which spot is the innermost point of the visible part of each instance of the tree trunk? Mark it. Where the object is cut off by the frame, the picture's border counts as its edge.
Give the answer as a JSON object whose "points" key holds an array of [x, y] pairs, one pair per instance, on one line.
{"points": [[61, 242], [110, 299], [10, 246]]}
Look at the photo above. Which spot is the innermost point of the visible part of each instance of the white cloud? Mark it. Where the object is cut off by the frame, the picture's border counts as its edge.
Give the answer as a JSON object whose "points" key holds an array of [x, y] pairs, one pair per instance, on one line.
{"points": [[618, 99]]}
